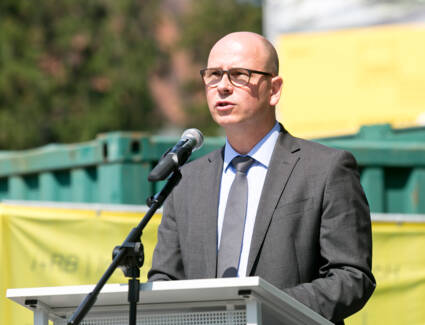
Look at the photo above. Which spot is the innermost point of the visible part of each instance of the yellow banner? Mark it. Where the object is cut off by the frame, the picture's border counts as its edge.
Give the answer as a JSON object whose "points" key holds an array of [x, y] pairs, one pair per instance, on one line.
{"points": [[336, 81], [399, 268], [41, 246]]}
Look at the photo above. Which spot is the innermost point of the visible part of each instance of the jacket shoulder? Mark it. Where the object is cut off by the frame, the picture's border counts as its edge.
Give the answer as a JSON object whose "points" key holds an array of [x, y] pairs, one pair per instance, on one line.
{"points": [[203, 161], [318, 150]]}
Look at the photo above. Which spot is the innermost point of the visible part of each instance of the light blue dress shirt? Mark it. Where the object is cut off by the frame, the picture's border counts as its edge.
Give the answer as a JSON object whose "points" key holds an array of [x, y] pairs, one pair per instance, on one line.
{"points": [[256, 175]]}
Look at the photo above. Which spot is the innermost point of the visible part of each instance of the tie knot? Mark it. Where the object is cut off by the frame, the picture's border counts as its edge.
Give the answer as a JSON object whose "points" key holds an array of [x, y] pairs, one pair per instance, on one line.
{"points": [[242, 163]]}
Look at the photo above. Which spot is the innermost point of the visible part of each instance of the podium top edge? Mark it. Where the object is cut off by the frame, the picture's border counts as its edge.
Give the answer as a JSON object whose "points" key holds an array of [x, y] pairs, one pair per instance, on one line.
{"points": [[147, 286], [63, 298]]}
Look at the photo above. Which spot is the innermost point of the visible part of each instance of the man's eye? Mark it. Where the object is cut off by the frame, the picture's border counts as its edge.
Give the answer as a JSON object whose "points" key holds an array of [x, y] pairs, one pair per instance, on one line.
{"points": [[238, 73], [216, 73]]}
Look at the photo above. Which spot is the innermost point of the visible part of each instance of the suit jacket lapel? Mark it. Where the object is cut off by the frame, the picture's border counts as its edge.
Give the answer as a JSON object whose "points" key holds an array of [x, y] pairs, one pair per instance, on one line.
{"points": [[212, 177], [282, 163]]}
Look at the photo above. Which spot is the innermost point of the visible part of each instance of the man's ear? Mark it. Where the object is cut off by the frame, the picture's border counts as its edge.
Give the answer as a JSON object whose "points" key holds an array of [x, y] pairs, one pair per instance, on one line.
{"points": [[276, 90]]}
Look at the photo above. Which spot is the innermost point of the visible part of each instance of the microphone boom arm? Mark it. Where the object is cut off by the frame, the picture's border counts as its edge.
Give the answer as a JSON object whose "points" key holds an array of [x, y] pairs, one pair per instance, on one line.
{"points": [[120, 251]]}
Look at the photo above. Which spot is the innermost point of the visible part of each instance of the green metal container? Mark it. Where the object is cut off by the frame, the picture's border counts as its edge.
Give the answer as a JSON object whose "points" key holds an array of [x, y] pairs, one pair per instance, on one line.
{"points": [[113, 168], [392, 166]]}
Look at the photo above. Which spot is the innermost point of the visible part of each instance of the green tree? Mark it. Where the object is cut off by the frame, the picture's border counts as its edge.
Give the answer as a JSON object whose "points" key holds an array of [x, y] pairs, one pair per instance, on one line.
{"points": [[209, 20], [71, 69]]}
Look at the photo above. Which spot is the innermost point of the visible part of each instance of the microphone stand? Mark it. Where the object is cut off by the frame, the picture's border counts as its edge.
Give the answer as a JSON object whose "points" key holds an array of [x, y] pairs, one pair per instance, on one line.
{"points": [[129, 257]]}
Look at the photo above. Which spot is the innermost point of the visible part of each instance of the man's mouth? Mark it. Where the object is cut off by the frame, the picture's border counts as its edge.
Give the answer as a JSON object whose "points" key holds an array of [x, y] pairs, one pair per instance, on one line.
{"points": [[224, 104]]}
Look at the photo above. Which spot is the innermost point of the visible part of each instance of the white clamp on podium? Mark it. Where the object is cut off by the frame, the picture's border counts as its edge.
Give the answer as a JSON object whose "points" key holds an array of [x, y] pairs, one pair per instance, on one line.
{"points": [[226, 301]]}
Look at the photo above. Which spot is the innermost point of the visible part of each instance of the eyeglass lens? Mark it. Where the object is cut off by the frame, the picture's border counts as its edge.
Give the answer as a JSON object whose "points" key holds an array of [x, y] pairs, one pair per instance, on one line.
{"points": [[237, 76]]}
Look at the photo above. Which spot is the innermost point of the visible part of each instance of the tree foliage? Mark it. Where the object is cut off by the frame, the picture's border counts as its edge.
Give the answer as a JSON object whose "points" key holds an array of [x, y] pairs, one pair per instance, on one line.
{"points": [[207, 21], [70, 69]]}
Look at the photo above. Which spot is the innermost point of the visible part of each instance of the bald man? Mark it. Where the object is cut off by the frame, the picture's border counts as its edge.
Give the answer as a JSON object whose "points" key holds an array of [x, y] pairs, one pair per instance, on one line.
{"points": [[296, 213]]}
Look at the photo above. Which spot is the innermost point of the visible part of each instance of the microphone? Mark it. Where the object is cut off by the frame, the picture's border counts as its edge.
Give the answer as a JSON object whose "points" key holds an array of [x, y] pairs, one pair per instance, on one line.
{"points": [[191, 140]]}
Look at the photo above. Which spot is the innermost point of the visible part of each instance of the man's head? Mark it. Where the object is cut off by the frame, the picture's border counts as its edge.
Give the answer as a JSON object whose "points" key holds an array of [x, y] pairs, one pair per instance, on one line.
{"points": [[235, 104]]}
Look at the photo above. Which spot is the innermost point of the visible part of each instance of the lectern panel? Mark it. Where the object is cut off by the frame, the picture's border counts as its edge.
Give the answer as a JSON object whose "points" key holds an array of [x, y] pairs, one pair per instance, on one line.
{"points": [[230, 317], [226, 301]]}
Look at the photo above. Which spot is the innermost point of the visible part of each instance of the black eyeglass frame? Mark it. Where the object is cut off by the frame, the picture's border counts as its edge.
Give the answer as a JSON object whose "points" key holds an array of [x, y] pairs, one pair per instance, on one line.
{"points": [[250, 72]]}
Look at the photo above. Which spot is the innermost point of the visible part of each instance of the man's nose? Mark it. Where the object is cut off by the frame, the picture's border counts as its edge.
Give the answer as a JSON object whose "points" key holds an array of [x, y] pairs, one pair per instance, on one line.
{"points": [[225, 85]]}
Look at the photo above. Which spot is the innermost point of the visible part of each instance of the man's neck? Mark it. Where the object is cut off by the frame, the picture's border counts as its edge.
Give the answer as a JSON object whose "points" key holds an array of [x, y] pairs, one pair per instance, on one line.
{"points": [[244, 139]]}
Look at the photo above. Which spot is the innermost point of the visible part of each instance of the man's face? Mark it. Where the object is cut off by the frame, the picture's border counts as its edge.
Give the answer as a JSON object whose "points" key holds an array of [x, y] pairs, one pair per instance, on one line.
{"points": [[246, 106]]}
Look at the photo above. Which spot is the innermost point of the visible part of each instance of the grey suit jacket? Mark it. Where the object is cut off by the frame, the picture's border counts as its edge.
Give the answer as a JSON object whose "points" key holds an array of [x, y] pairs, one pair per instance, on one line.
{"points": [[312, 234]]}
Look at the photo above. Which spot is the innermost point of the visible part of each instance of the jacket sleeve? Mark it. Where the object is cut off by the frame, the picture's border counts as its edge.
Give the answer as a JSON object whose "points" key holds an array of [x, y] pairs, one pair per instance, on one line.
{"points": [[345, 281], [167, 261]]}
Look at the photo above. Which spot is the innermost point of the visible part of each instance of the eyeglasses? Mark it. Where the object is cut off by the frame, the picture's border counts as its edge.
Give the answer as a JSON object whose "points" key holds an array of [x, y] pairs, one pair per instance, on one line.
{"points": [[237, 76]]}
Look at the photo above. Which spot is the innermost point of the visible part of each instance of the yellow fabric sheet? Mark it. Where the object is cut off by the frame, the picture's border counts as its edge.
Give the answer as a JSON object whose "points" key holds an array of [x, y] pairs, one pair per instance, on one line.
{"points": [[399, 268], [336, 81], [43, 247], [54, 247]]}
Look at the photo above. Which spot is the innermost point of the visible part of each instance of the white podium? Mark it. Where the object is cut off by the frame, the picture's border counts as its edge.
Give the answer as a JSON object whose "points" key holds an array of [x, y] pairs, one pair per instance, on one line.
{"points": [[229, 301]]}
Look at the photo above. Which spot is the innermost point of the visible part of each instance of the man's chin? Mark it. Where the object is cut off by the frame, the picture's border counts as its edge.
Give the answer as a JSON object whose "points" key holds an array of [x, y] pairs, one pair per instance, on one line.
{"points": [[233, 119], [226, 121]]}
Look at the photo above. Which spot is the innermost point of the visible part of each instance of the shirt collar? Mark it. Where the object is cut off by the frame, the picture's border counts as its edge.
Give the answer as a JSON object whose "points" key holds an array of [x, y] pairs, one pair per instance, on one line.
{"points": [[261, 152]]}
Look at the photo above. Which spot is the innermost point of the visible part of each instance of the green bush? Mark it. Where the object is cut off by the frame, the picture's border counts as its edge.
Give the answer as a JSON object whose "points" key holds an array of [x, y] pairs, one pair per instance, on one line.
{"points": [[70, 69]]}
